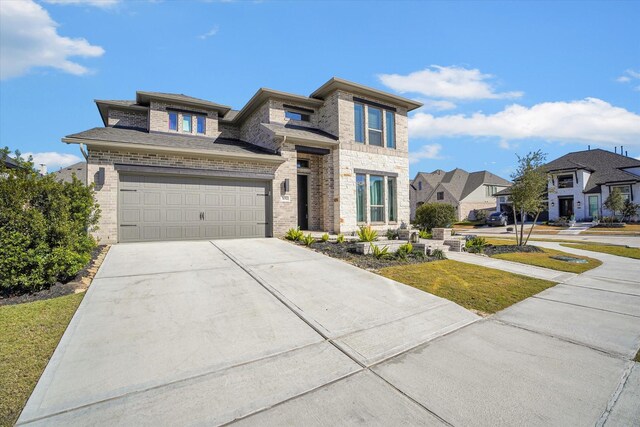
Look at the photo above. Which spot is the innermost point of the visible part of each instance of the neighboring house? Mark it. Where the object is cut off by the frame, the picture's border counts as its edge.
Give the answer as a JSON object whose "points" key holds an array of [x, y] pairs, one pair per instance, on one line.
{"points": [[467, 192], [78, 169], [580, 182], [9, 162], [169, 166]]}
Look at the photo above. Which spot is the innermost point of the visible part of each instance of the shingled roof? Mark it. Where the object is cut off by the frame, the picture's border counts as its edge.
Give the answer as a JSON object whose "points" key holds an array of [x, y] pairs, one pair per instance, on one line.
{"points": [[604, 166], [461, 183]]}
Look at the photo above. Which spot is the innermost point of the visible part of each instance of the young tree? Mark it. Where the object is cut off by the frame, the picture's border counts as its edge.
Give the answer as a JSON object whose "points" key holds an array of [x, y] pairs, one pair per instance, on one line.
{"points": [[528, 191], [629, 210], [615, 201]]}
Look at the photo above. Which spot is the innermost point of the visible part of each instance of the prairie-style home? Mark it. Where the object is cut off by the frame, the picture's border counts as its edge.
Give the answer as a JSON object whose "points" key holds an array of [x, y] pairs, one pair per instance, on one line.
{"points": [[170, 166]]}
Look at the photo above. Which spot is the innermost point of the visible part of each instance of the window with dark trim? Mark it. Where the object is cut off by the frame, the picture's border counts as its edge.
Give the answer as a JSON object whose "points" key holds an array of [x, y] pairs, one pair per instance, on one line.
{"points": [[201, 124], [440, 195], [303, 164], [358, 120], [173, 121], [391, 198], [565, 181], [625, 191], [294, 115], [420, 185], [376, 198]]}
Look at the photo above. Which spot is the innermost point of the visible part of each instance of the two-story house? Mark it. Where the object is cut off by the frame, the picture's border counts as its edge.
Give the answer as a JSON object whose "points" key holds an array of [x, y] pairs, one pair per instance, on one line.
{"points": [[465, 191], [170, 166], [580, 183]]}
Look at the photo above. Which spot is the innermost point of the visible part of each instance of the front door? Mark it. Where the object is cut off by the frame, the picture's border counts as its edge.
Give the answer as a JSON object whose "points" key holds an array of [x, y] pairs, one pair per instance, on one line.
{"points": [[303, 202], [566, 207], [593, 207]]}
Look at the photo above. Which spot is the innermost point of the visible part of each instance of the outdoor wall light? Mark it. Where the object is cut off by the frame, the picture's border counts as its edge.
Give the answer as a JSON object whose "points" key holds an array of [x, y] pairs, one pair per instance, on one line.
{"points": [[579, 204], [553, 203]]}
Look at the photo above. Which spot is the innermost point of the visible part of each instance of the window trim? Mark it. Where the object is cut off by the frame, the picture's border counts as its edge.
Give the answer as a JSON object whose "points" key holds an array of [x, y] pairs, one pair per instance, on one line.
{"points": [[365, 198], [491, 190], [392, 199], [564, 178], [370, 129], [438, 194], [363, 139], [304, 117], [627, 195], [390, 129]]}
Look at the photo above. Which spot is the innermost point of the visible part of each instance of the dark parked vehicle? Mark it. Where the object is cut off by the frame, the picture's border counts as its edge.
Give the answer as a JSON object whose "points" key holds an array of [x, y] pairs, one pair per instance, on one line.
{"points": [[497, 219]]}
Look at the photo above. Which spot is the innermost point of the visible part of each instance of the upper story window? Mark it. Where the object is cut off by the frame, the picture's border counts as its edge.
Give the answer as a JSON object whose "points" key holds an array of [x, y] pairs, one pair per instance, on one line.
{"points": [[565, 181], [358, 119], [303, 164], [173, 121], [420, 185], [186, 123], [391, 129], [294, 115], [201, 124], [375, 126], [440, 195], [491, 190]]}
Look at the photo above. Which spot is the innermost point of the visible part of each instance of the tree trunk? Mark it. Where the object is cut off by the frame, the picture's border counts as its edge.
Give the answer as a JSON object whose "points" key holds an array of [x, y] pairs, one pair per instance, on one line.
{"points": [[522, 221], [515, 224], [532, 225]]}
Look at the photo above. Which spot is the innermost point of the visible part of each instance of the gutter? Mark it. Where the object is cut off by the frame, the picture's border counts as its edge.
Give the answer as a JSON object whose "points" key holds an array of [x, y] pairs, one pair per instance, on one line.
{"points": [[90, 143]]}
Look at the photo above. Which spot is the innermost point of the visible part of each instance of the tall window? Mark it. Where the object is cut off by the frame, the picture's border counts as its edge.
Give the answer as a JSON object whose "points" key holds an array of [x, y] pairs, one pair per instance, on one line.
{"points": [[420, 185], [376, 194], [391, 196], [173, 121], [625, 190], [186, 123], [375, 126], [491, 190], [361, 198], [200, 124], [358, 120], [391, 129]]}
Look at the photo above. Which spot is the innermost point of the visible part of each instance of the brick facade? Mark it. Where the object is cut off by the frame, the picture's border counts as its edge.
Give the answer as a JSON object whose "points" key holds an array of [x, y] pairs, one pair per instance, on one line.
{"points": [[332, 177]]}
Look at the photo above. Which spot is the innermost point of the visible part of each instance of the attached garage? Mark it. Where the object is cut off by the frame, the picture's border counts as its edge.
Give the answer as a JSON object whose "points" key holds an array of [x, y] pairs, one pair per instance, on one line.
{"points": [[154, 207]]}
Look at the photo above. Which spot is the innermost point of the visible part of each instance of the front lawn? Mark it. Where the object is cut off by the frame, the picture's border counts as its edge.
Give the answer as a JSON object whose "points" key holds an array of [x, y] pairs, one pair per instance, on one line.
{"points": [[543, 259], [30, 334], [628, 229], [477, 288], [607, 249]]}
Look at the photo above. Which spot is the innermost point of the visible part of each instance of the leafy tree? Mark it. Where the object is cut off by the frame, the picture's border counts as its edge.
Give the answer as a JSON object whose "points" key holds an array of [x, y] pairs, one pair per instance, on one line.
{"points": [[629, 210], [615, 201], [44, 227], [528, 191], [435, 215]]}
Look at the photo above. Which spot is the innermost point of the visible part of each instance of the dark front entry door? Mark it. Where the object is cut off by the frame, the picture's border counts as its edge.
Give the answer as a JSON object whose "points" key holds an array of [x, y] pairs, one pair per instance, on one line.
{"points": [[303, 202], [566, 207]]}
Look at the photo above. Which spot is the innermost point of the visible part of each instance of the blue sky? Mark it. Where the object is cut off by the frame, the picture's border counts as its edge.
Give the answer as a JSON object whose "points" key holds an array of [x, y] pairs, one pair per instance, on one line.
{"points": [[497, 78]]}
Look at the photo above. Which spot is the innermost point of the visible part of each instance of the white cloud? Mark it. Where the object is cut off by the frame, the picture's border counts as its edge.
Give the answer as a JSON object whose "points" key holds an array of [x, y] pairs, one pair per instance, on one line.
{"points": [[96, 3], [437, 105], [210, 33], [29, 38], [628, 76], [428, 151], [446, 82], [589, 120], [52, 159]]}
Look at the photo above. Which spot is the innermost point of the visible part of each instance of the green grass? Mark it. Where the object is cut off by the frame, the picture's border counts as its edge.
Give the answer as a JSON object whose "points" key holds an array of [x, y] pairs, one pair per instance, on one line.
{"points": [[607, 249], [474, 287], [30, 333], [543, 259]]}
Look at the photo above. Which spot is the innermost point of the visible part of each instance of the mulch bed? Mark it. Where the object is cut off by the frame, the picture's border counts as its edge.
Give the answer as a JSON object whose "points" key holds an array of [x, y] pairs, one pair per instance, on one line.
{"points": [[509, 249], [79, 283], [347, 252]]}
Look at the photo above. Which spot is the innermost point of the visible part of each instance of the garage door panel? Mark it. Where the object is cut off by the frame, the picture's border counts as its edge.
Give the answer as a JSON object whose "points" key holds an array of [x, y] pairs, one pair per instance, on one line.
{"points": [[171, 208]]}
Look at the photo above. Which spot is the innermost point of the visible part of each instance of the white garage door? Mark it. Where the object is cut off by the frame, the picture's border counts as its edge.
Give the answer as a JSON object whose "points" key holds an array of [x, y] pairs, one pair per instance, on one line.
{"points": [[156, 207]]}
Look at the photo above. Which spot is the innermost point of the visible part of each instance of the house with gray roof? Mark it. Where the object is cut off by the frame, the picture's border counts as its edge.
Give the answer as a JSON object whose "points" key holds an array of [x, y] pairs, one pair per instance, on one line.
{"points": [[580, 182], [171, 166], [466, 191], [79, 170]]}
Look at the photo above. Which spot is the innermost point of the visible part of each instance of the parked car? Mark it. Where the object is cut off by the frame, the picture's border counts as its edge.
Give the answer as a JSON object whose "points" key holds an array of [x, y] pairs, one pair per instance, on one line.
{"points": [[497, 219]]}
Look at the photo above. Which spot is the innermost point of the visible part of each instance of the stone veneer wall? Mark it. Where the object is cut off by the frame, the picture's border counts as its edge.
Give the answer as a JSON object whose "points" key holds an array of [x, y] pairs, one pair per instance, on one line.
{"points": [[128, 118], [159, 119], [107, 194], [252, 131]]}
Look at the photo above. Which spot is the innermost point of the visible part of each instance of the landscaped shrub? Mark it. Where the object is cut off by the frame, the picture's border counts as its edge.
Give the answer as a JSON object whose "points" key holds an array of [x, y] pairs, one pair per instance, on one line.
{"points": [[476, 245], [340, 238], [392, 234], [378, 252], [44, 227], [424, 234], [367, 234], [308, 240], [294, 234], [479, 214], [325, 237], [435, 215], [404, 250], [438, 254]]}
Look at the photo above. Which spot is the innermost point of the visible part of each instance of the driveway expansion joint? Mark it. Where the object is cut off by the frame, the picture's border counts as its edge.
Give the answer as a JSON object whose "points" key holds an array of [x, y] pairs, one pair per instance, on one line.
{"points": [[615, 395], [584, 306]]}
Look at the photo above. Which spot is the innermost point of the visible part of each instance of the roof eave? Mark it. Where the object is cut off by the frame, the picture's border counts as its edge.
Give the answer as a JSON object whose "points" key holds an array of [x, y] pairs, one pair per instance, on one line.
{"points": [[267, 158], [336, 83], [223, 109], [264, 94]]}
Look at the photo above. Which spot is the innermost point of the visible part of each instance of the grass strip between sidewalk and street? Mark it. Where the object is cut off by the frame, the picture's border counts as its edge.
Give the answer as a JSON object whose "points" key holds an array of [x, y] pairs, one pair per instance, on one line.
{"points": [[483, 289], [30, 333], [607, 249]]}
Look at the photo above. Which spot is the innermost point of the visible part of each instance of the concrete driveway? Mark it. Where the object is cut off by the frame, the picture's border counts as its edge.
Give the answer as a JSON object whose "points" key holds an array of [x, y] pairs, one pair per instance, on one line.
{"points": [[193, 333]]}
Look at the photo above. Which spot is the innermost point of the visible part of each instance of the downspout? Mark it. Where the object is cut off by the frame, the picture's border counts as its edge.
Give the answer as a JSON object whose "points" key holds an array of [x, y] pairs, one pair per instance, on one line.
{"points": [[85, 154]]}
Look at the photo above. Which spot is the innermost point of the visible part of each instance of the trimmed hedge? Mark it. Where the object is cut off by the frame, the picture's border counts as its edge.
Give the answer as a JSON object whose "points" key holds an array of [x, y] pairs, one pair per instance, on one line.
{"points": [[435, 215], [44, 227]]}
